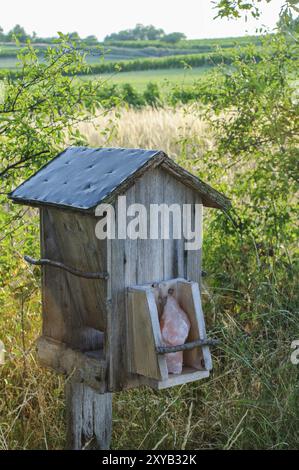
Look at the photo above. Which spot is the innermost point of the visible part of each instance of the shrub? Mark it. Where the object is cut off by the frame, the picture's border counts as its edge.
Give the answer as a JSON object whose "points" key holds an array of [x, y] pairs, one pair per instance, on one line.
{"points": [[152, 95], [131, 96]]}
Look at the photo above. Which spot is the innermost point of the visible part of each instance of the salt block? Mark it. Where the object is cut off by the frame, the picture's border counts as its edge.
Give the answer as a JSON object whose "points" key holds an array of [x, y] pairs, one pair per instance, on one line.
{"points": [[175, 327]]}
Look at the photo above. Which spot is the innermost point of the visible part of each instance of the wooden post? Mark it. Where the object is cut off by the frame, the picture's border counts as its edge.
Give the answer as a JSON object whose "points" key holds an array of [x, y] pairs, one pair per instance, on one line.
{"points": [[89, 417]]}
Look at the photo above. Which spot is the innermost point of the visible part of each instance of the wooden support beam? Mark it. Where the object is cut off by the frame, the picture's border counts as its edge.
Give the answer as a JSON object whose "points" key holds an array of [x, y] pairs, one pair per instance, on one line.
{"points": [[88, 368], [89, 417]]}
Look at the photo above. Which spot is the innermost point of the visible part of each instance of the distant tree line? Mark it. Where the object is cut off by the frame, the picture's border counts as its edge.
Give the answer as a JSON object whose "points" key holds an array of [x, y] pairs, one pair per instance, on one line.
{"points": [[143, 33], [18, 32], [139, 33]]}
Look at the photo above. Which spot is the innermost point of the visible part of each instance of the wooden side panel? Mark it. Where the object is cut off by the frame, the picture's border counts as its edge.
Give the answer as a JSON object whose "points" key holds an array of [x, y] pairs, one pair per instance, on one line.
{"points": [[122, 269], [190, 301], [71, 302], [201, 324], [145, 335]]}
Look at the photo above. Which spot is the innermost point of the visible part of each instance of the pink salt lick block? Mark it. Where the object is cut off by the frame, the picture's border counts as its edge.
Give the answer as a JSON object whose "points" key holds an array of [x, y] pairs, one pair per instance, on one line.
{"points": [[175, 327]]}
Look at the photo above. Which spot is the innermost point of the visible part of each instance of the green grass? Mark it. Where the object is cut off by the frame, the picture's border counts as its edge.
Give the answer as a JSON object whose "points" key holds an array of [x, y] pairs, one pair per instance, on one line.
{"points": [[164, 78]]}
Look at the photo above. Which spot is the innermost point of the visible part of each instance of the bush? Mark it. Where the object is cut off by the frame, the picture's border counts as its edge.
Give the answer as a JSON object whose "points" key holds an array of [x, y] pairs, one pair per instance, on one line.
{"points": [[130, 96], [152, 95]]}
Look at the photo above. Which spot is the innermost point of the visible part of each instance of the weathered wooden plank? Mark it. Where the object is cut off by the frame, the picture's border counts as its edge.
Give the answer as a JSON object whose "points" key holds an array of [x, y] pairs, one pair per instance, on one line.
{"points": [[88, 368], [116, 321], [145, 335], [54, 318], [209, 196], [189, 374], [89, 417], [70, 302], [201, 325], [130, 262], [193, 257], [194, 357], [149, 190]]}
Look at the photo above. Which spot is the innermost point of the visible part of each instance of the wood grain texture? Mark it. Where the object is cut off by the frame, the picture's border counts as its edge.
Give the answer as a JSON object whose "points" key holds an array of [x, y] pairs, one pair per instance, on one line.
{"points": [[89, 417], [193, 258], [70, 269], [194, 357], [201, 325], [70, 302], [77, 312], [137, 262], [145, 334], [88, 368], [188, 375]]}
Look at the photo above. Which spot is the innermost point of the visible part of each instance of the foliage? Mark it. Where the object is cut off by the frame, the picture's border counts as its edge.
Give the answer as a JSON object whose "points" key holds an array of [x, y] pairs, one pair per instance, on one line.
{"points": [[38, 110], [257, 121], [176, 61], [287, 23], [140, 32], [174, 37], [17, 32], [145, 33], [251, 399], [198, 45], [235, 8], [131, 96], [39, 106], [152, 94]]}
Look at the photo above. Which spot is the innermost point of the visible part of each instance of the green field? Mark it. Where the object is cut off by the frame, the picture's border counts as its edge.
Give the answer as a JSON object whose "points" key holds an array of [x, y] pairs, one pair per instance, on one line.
{"points": [[8, 62], [132, 50], [163, 77]]}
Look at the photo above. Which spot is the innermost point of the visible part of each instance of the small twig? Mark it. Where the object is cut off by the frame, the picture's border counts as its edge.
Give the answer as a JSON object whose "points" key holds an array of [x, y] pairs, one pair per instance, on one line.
{"points": [[74, 271], [187, 346]]}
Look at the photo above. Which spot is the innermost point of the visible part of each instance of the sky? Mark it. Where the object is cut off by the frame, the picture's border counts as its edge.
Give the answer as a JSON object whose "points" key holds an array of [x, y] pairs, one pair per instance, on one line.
{"points": [[102, 17]]}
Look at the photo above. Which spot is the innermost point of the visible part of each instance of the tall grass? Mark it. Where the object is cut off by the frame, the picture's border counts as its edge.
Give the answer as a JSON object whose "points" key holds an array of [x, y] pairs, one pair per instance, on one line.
{"points": [[149, 128], [251, 399]]}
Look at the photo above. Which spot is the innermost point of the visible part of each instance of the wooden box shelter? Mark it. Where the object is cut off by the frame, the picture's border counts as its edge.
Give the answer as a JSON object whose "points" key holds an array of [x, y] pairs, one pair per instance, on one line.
{"points": [[99, 309]]}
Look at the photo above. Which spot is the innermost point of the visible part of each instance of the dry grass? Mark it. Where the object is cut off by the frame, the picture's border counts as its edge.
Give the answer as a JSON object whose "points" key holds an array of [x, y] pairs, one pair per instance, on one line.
{"points": [[164, 129]]}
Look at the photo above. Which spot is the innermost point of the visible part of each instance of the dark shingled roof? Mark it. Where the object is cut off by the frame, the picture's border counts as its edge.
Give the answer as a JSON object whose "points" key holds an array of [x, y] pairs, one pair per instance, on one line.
{"points": [[80, 178]]}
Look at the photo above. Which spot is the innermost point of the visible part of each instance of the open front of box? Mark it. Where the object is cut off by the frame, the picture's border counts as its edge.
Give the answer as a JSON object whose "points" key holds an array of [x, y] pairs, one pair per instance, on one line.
{"points": [[145, 338]]}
